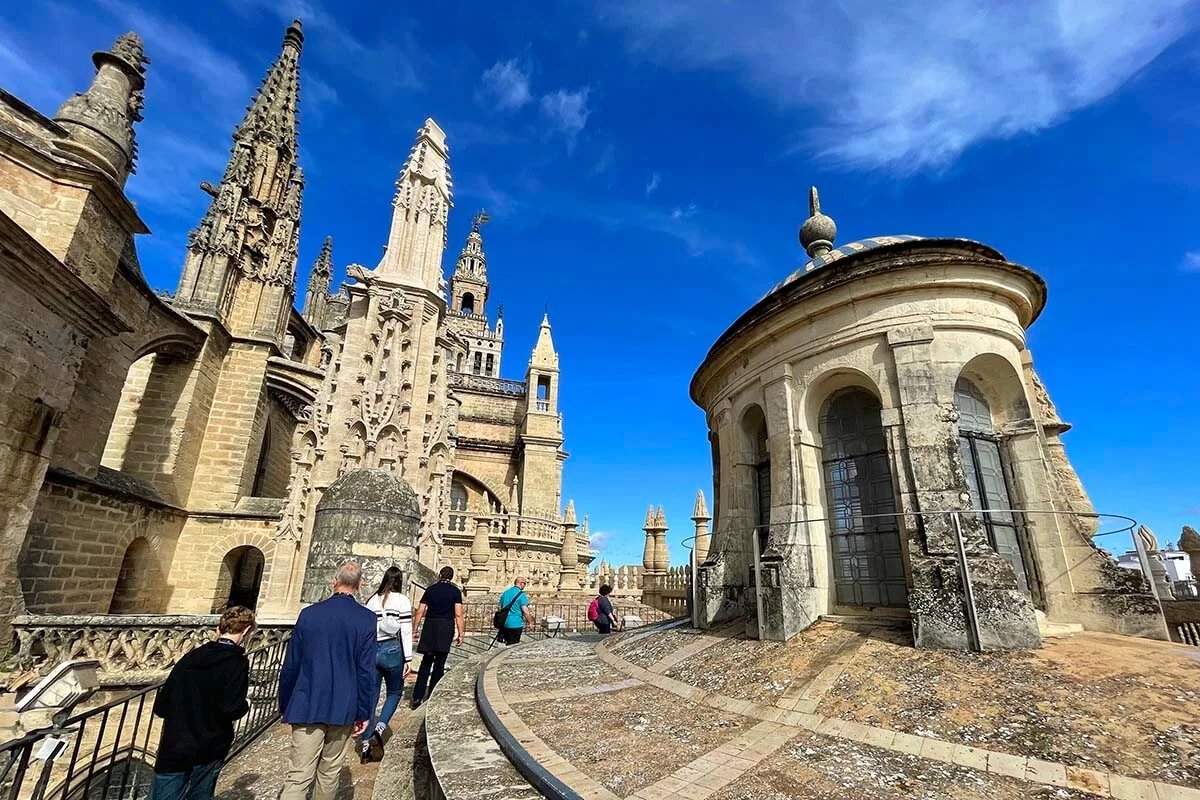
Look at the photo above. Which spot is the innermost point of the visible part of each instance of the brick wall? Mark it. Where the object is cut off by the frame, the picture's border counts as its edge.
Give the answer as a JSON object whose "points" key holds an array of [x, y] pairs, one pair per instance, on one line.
{"points": [[225, 468], [77, 543]]}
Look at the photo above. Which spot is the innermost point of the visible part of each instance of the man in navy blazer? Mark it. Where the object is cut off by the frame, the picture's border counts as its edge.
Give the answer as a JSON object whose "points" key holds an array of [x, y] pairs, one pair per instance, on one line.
{"points": [[327, 686]]}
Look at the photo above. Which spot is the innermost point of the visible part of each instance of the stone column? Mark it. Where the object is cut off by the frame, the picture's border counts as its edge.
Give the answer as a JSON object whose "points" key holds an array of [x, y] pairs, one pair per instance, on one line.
{"points": [[568, 575], [701, 517], [481, 553], [662, 559], [650, 559], [937, 599]]}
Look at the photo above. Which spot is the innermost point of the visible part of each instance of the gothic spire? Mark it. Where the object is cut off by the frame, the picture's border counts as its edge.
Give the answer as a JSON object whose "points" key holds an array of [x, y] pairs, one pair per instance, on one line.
{"points": [[700, 510], [317, 297], [420, 210], [272, 113], [251, 230], [544, 355], [99, 122]]}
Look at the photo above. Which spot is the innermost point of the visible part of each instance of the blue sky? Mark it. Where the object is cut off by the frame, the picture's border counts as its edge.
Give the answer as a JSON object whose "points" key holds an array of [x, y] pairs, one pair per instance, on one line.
{"points": [[646, 166]]}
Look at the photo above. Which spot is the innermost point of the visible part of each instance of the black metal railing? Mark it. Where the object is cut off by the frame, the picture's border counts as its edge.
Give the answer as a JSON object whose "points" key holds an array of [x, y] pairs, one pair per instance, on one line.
{"points": [[107, 752]]}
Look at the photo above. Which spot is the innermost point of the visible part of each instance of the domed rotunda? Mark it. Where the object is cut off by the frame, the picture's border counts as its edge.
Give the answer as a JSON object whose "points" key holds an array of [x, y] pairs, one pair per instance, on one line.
{"points": [[883, 448]]}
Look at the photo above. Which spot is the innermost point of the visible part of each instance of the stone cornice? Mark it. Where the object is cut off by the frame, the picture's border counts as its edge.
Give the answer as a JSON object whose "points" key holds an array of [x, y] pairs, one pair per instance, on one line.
{"points": [[942, 264], [56, 168], [27, 264]]}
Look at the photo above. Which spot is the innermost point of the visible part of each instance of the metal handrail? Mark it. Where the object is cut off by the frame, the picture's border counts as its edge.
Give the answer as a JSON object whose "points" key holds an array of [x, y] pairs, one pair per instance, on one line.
{"points": [[729, 535], [120, 737]]}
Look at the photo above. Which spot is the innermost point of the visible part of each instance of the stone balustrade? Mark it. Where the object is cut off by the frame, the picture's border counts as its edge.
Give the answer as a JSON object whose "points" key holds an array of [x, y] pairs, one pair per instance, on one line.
{"points": [[133, 649]]}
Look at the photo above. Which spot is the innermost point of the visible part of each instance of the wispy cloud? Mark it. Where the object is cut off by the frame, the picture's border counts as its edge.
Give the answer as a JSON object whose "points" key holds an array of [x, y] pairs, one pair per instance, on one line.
{"points": [[652, 184], [683, 212], [567, 113], [498, 202], [179, 49], [505, 85], [608, 157], [1191, 261], [388, 63], [318, 98], [909, 85], [37, 85], [171, 166]]}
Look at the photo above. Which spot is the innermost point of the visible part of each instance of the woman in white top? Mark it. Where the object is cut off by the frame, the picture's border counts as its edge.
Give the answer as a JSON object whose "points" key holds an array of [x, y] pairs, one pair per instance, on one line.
{"points": [[393, 635]]}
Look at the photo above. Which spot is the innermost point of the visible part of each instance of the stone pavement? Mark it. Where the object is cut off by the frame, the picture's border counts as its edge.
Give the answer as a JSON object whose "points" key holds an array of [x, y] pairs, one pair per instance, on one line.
{"points": [[586, 733]]}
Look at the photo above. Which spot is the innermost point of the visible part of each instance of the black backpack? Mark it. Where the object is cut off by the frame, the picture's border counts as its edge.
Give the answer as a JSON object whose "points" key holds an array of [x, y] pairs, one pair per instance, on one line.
{"points": [[499, 617]]}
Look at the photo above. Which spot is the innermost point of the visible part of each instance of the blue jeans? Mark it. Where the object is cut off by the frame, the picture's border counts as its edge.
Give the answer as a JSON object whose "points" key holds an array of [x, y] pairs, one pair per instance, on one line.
{"points": [[197, 783], [389, 668]]}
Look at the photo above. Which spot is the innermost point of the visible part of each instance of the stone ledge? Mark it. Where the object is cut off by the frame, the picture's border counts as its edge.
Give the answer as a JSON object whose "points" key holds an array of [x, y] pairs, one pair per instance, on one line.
{"points": [[467, 762]]}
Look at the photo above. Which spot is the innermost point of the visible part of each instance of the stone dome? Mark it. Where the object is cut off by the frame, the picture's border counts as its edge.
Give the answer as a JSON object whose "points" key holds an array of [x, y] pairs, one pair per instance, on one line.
{"points": [[371, 490]]}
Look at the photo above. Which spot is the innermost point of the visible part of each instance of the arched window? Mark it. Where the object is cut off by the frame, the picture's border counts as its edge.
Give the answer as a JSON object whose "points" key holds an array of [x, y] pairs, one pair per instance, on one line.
{"points": [[983, 462], [240, 579], [489, 365], [458, 503], [864, 534], [543, 393], [468, 303], [754, 428], [260, 471]]}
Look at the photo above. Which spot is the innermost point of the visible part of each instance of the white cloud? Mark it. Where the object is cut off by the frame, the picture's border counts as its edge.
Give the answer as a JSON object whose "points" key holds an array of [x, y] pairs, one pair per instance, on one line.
{"points": [[652, 184], [679, 213], [181, 49], [506, 85], [316, 96], [910, 84], [1191, 261], [608, 157], [567, 112], [598, 538], [388, 63]]}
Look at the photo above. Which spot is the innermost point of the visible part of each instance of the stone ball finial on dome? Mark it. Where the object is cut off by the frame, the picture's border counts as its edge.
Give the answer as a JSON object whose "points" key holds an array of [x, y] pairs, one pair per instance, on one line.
{"points": [[818, 231]]}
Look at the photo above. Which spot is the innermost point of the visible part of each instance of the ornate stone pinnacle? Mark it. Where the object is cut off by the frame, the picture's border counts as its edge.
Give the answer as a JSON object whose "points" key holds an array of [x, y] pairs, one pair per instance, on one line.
{"points": [[128, 47], [818, 231]]}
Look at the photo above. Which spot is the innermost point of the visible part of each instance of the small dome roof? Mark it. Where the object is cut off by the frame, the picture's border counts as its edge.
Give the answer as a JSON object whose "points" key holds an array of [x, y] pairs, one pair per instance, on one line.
{"points": [[370, 490], [841, 252]]}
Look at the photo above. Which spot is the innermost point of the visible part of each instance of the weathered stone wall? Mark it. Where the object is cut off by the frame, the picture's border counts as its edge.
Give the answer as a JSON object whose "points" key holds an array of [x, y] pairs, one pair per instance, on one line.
{"points": [[78, 539]]}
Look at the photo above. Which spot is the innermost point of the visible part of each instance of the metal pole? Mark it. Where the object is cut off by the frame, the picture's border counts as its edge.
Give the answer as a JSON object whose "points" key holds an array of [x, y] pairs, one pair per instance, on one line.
{"points": [[968, 589], [695, 590], [757, 580]]}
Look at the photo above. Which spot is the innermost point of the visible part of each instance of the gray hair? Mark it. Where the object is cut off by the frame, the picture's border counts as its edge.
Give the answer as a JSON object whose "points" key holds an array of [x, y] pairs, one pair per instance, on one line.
{"points": [[349, 575]]}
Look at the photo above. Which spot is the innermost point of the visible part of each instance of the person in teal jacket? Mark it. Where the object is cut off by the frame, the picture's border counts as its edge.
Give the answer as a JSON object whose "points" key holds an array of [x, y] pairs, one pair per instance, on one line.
{"points": [[515, 600]]}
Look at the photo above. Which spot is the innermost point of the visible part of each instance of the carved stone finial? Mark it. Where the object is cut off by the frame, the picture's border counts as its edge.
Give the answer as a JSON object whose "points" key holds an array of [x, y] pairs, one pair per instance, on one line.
{"points": [[99, 122], [818, 231]]}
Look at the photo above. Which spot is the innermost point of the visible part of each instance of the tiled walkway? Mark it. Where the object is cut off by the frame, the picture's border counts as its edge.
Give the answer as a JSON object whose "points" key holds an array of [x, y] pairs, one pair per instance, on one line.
{"points": [[771, 727]]}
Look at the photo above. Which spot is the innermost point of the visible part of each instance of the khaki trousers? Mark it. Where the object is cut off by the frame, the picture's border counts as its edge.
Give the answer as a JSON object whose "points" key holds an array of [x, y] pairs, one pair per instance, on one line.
{"points": [[320, 751]]}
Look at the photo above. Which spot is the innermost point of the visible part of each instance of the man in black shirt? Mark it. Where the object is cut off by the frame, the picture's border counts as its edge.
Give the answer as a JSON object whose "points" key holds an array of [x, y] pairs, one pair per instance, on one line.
{"points": [[202, 697], [441, 608]]}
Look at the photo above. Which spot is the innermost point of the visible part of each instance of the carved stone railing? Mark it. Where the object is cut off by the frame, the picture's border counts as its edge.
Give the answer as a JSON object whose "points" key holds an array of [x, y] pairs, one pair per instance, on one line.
{"points": [[133, 649], [459, 380]]}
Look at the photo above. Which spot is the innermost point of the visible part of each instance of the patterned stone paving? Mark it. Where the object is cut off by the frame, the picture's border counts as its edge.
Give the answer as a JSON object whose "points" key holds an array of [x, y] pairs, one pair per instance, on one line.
{"points": [[775, 749]]}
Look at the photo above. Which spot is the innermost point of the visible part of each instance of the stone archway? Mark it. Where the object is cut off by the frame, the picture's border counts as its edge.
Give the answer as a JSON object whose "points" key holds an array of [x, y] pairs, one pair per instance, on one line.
{"points": [[240, 579]]}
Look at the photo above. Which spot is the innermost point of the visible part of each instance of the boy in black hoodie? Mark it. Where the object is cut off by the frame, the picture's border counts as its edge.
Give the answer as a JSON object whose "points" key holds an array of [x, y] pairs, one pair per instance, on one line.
{"points": [[203, 695]]}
